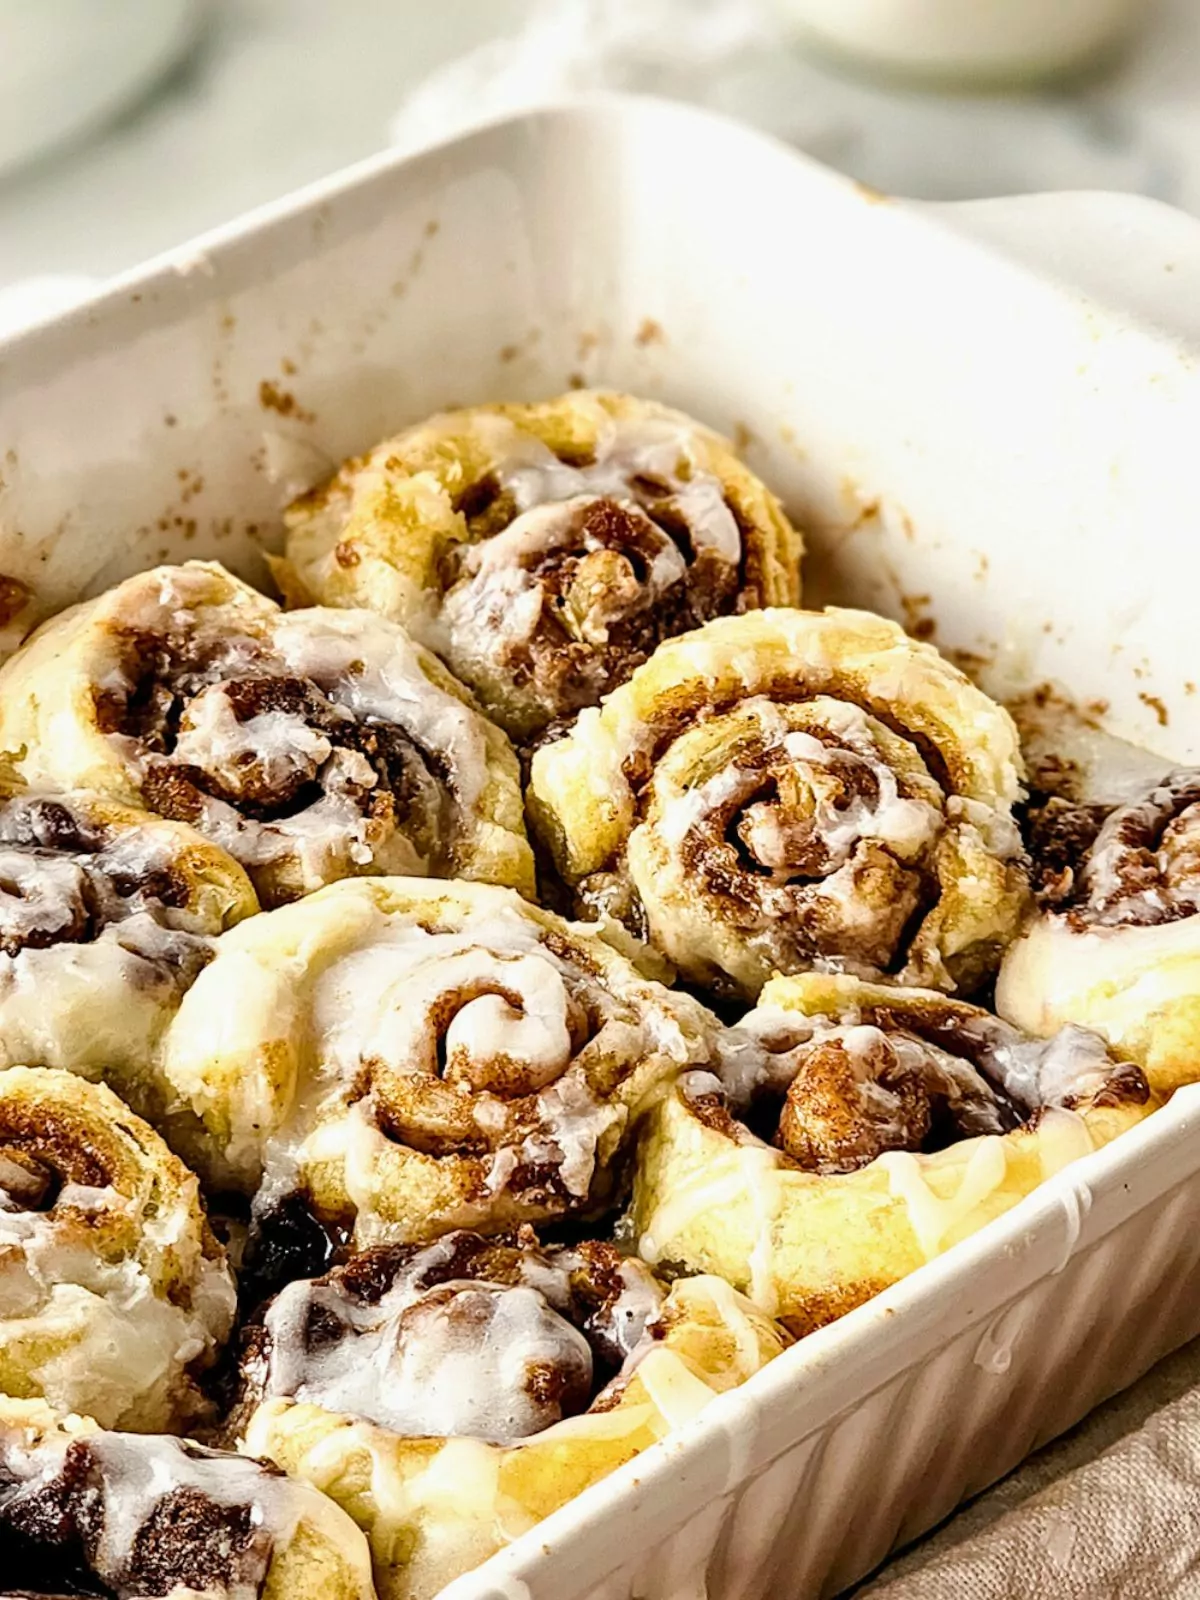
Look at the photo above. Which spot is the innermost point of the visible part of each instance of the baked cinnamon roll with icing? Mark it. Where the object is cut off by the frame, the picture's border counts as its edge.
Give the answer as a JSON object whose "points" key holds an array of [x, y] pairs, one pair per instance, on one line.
{"points": [[413, 1056], [545, 550], [1115, 943], [114, 1295], [794, 790], [452, 1395], [107, 914], [855, 1131], [85, 1511], [309, 746]]}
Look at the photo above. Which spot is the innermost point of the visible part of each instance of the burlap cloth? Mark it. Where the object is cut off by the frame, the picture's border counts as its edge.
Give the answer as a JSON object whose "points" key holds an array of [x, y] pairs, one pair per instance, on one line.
{"points": [[1109, 1512]]}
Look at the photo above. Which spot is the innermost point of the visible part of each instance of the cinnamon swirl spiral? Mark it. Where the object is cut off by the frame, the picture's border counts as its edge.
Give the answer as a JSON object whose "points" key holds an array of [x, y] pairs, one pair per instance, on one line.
{"points": [[545, 550], [413, 1056], [854, 1131], [794, 790], [114, 1295], [309, 746], [451, 1395], [84, 1511], [1115, 943], [106, 916]]}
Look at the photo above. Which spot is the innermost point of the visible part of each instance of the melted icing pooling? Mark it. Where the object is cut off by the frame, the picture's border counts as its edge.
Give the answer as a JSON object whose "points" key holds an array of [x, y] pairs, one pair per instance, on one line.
{"points": [[312, 739], [595, 564], [466, 1337], [63, 879], [913, 1076], [805, 836], [140, 1516], [480, 1360], [496, 1044], [1072, 1065]]}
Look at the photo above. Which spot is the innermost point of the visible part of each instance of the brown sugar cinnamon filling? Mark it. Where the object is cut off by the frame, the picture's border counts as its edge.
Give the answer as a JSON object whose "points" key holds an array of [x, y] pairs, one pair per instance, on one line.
{"points": [[493, 1339], [809, 831], [787, 846], [834, 1094], [572, 595], [66, 878], [115, 1515], [269, 745], [308, 746], [1132, 865]]}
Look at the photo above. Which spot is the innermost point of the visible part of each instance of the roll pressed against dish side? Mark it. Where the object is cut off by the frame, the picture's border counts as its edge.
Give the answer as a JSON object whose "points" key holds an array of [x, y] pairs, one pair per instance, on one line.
{"points": [[107, 914], [311, 746], [411, 1056], [855, 1131], [544, 550], [451, 1395], [133, 1516], [794, 789], [114, 1294], [1115, 942]]}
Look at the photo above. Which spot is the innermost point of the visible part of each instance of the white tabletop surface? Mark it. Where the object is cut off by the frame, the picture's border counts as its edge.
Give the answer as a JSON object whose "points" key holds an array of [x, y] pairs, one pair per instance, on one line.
{"points": [[281, 91]]}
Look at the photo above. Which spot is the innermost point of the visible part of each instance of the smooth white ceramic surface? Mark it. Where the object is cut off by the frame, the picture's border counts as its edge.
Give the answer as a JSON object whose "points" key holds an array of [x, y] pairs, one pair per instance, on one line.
{"points": [[985, 416], [978, 40]]}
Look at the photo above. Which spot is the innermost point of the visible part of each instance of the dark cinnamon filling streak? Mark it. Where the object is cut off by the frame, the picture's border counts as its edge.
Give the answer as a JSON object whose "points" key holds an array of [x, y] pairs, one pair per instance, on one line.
{"points": [[1133, 865], [543, 1330], [916, 1077], [618, 577], [66, 1532]]}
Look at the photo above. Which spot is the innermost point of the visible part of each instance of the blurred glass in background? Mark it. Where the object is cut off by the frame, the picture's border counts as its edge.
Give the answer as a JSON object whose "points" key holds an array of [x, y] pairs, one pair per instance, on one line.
{"points": [[127, 126]]}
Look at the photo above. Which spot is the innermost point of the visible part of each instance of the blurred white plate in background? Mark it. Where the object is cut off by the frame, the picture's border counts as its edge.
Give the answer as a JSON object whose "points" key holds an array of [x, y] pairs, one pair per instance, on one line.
{"points": [[67, 64], [965, 40]]}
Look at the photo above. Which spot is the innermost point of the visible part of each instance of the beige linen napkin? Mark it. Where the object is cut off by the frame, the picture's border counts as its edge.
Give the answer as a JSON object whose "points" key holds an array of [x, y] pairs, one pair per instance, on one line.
{"points": [[1109, 1512]]}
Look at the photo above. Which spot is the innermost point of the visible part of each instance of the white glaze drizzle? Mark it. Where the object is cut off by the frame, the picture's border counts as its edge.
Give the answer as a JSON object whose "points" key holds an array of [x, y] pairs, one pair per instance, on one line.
{"points": [[368, 671], [455, 1359], [933, 1217], [439, 1355], [654, 448], [907, 826], [133, 1473], [488, 1007], [116, 1345], [500, 599]]}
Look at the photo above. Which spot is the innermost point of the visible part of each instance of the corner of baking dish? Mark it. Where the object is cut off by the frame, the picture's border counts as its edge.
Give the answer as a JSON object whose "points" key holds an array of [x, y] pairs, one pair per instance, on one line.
{"points": [[975, 1289]]}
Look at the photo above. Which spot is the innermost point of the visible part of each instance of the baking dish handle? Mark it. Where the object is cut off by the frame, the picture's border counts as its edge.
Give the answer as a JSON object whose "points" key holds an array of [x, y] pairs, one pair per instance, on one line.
{"points": [[1136, 256]]}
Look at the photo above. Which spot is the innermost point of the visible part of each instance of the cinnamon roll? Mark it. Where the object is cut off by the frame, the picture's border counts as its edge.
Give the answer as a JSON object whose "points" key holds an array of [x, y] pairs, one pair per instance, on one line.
{"points": [[309, 746], [1115, 942], [114, 1295], [854, 1131], [106, 916], [413, 1056], [545, 550], [451, 1395], [794, 790], [85, 1511]]}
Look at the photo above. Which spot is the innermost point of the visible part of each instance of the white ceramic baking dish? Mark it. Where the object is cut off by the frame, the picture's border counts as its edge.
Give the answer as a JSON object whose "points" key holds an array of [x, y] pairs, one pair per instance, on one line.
{"points": [[985, 415]]}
